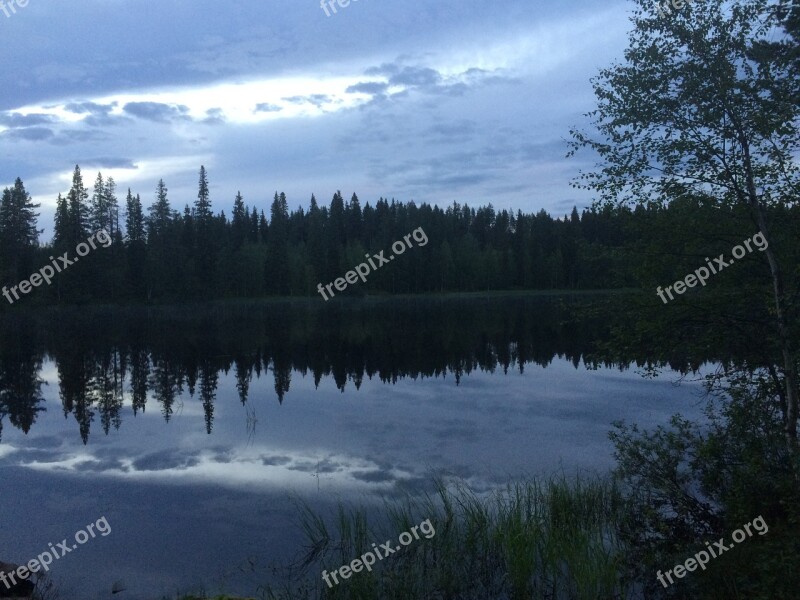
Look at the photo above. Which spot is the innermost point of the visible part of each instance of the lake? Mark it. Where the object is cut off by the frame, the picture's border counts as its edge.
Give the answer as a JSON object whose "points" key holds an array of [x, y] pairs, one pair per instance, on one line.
{"points": [[195, 431]]}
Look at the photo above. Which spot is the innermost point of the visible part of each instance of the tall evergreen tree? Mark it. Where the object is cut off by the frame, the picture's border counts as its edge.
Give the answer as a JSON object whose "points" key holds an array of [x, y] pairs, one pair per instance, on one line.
{"points": [[18, 229], [239, 220], [160, 214], [203, 203], [61, 229], [112, 208], [78, 207], [99, 210], [252, 234], [134, 219], [276, 268]]}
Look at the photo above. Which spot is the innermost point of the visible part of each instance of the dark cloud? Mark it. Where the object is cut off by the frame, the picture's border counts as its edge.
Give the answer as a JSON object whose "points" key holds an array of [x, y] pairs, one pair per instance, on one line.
{"points": [[368, 87], [41, 455], [413, 77], [98, 466], [416, 77], [17, 120], [267, 107], [81, 108], [316, 99], [373, 476], [32, 134], [156, 111], [385, 69], [275, 461], [70, 137], [429, 80], [214, 116], [323, 466], [166, 459]]}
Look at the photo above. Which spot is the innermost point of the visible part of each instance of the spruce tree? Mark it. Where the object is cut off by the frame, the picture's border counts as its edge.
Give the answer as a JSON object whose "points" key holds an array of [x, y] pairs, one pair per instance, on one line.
{"points": [[18, 228], [99, 212], [239, 221], [203, 203], [78, 208], [134, 219]]}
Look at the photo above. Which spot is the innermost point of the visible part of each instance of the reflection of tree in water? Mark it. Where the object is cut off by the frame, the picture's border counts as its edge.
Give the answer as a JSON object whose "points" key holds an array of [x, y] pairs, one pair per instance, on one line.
{"points": [[155, 355], [209, 376], [20, 384]]}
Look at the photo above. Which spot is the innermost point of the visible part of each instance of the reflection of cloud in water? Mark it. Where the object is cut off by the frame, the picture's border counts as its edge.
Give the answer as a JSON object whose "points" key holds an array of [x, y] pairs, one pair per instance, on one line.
{"points": [[246, 467]]}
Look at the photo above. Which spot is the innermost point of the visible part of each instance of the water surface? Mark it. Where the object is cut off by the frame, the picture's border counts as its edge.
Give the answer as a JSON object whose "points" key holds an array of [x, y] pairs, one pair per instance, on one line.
{"points": [[192, 430]]}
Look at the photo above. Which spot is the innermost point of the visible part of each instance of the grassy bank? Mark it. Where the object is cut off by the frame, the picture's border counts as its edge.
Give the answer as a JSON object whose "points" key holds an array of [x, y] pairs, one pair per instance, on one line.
{"points": [[535, 539]]}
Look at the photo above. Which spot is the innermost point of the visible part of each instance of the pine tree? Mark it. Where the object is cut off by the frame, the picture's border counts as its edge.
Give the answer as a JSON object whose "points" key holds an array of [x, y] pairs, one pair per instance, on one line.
{"points": [[160, 214], [134, 219], [239, 221], [78, 207], [263, 228], [99, 211], [18, 228], [136, 250], [252, 234], [276, 268], [112, 207], [206, 245], [61, 229], [203, 203], [18, 221], [354, 218]]}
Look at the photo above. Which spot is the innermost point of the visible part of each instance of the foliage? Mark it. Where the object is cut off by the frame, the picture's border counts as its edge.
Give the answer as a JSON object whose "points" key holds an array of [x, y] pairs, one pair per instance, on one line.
{"points": [[691, 483], [535, 539]]}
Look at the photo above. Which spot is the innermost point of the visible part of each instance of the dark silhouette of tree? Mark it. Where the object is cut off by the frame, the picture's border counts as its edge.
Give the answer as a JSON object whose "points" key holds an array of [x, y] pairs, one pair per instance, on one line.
{"points": [[18, 233]]}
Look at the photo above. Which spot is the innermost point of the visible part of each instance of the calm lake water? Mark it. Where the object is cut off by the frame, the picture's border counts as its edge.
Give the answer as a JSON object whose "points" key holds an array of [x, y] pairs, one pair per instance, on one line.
{"points": [[194, 430]]}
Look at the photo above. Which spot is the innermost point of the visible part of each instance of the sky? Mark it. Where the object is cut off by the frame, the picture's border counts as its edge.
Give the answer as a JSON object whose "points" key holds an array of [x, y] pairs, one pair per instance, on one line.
{"points": [[436, 101]]}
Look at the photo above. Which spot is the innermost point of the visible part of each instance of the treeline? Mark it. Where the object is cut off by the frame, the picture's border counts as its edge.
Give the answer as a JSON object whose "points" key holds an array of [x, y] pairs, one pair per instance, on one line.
{"points": [[160, 254]]}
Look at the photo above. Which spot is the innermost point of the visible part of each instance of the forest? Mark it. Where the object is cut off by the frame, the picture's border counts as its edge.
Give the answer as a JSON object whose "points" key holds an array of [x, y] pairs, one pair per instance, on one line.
{"points": [[161, 255]]}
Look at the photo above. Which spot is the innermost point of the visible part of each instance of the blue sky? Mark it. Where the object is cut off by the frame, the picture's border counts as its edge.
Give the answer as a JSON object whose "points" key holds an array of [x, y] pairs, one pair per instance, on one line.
{"points": [[432, 100]]}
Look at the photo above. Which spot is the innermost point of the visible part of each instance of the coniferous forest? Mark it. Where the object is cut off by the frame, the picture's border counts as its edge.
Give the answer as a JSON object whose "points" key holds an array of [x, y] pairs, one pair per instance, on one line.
{"points": [[160, 254]]}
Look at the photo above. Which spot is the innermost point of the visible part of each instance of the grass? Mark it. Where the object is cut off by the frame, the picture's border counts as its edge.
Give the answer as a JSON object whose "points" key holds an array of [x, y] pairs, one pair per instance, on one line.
{"points": [[551, 539]]}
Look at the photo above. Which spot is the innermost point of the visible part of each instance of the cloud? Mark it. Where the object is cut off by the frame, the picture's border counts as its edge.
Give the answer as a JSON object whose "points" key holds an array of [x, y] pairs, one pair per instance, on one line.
{"points": [[314, 99], [15, 120], [373, 476], [368, 87], [32, 134], [156, 111], [99, 465], [275, 461], [214, 116], [416, 77], [90, 107], [267, 107], [166, 460]]}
